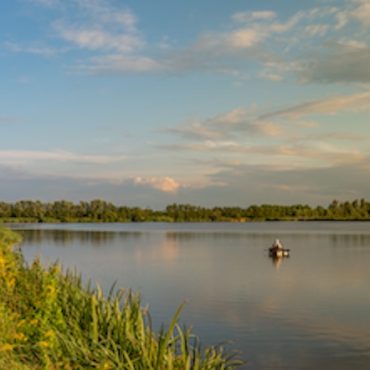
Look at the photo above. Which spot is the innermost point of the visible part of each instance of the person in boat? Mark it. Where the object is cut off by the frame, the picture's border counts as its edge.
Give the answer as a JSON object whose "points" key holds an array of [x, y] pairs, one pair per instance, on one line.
{"points": [[277, 245]]}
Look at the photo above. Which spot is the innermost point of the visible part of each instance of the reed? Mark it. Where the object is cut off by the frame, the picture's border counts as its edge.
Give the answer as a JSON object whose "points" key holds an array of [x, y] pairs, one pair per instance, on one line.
{"points": [[50, 320]]}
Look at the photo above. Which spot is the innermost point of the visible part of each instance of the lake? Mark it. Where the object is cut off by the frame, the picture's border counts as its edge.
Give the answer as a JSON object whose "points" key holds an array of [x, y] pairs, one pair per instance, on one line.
{"points": [[308, 311]]}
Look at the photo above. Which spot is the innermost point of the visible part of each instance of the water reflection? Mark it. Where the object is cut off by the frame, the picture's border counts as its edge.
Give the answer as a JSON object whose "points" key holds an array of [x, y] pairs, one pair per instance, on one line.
{"points": [[350, 241], [167, 251], [66, 238], [276, 261], [169, 248]]}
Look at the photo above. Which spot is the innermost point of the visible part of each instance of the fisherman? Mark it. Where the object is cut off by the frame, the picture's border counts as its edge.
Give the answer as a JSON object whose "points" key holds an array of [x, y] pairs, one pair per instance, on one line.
{"points": [[277, 244]]}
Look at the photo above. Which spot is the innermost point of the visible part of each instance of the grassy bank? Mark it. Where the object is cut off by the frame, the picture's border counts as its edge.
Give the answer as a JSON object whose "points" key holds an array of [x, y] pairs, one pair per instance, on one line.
{"points": [[48, 320]]}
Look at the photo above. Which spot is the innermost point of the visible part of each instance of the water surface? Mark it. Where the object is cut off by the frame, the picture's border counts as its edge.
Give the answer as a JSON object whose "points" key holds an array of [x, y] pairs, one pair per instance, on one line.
{"points": [[309, 311]]}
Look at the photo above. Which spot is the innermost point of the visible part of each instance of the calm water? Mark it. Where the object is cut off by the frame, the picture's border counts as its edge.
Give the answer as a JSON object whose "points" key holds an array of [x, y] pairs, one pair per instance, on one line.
{"points": [[309, 311]]}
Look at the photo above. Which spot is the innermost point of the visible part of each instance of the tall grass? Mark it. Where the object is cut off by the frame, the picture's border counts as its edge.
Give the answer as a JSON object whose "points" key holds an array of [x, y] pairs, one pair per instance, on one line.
{"points": [[50, 320]]}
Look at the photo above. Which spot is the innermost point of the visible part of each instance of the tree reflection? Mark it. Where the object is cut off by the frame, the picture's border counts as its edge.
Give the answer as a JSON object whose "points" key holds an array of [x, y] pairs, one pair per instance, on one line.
{"points": [[65, 238]]}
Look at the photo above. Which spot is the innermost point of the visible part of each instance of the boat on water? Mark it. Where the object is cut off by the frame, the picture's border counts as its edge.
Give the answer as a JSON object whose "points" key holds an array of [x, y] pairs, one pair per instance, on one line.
{"points": [[277, 250]]}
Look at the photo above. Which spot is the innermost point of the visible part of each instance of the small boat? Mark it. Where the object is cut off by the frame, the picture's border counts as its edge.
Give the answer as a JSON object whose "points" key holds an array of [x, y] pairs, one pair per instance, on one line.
{"points": [[277, 250]]}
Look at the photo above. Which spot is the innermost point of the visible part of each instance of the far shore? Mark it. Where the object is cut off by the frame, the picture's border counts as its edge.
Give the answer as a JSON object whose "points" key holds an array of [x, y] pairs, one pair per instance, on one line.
{"points": [[99, 211]]}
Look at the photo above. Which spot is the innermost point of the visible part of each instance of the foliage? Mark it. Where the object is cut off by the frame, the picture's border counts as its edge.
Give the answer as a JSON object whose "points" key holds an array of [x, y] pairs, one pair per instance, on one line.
{"points": [[101, 211], [48, 320]]}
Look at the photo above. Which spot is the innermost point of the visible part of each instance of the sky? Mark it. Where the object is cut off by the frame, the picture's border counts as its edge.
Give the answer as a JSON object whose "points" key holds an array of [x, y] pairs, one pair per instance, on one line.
{"points": [[212, 102]]}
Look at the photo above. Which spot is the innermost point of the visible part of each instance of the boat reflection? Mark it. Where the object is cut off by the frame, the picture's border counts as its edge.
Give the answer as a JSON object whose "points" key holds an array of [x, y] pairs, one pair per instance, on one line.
{"points": [[277, 261]]}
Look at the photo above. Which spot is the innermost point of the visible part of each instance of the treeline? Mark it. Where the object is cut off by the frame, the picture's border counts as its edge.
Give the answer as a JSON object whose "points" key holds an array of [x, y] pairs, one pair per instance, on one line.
{"points": [[102, 211]]}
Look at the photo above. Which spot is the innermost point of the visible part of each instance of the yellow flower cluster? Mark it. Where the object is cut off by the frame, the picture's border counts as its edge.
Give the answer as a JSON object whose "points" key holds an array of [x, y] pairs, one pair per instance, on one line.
{"points": [[20, 337]]}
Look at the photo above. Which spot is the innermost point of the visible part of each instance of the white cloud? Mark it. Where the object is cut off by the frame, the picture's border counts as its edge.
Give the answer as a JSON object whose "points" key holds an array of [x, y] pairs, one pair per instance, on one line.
{"points": [[98, 39], [245, 38], [257, 15], [164, 184]]}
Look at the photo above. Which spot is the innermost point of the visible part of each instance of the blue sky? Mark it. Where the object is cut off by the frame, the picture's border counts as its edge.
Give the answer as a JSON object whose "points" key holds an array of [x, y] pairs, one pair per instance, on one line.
{"points": [[212, 102]]}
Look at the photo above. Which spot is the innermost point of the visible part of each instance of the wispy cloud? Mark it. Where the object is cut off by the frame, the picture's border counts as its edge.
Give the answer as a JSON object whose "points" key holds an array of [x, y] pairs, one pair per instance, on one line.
{"points": [[118, 63], [327, 106], [97, 25], [27, 156], [96, 11], [90, 24], [110, 32], [211, 51], [256, 32], [317, 29], [217, 127], [42, 50], [284, 137], [257, 15], [98, 39], [272, 123], [301, 155], [104, 12]]}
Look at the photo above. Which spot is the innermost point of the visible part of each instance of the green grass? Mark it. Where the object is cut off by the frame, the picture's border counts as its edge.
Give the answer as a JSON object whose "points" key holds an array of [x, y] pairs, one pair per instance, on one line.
{"points": [[49, 320]]}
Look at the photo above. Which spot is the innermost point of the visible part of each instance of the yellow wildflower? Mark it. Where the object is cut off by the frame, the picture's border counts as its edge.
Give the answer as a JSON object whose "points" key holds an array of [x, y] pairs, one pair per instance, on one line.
{"points": [[20, 336], [49, 334], [43, 344], [51, 289], [6, 347]]}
